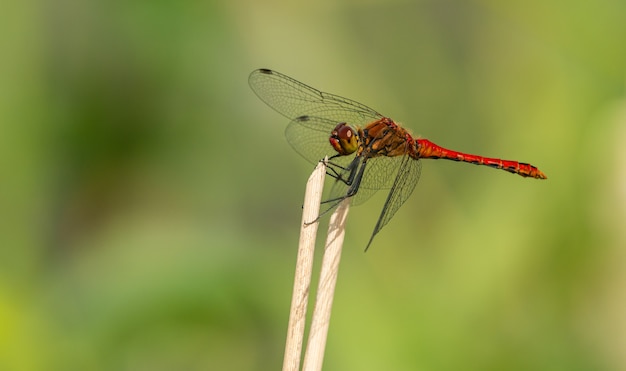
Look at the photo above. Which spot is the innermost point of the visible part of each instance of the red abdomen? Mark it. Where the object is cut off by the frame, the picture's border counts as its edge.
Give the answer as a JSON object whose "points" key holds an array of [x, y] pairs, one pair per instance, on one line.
{"points": [[428, 149]]}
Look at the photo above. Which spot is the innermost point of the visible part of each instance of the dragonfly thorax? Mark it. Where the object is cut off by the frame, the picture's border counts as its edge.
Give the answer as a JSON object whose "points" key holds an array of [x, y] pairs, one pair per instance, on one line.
{"points": [[344, 139]]}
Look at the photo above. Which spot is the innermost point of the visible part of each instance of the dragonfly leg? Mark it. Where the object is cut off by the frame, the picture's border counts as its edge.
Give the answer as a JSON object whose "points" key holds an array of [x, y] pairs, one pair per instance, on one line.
{"points": [[356, 169], [334, 173], [336, 201], [353, 181], [335, 169], [339, 171]]}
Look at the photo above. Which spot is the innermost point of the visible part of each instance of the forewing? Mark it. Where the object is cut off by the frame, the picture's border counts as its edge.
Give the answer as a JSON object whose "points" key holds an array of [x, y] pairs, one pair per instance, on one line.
{"points": [[308, 135], [293, 99]]}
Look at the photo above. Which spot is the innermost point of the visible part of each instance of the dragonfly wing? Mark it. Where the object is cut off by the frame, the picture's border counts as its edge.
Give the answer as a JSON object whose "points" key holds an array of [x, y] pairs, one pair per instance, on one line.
{"points": [[402, 187], [378, 174], [294, 99], [308, 135]]}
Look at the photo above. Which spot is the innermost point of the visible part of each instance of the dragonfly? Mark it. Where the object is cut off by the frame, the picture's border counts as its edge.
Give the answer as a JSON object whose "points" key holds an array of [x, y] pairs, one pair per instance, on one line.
{"points": [[366, 150]]}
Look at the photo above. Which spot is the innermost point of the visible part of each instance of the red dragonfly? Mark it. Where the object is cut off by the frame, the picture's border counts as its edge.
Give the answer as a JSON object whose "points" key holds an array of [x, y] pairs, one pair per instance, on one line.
{"points": [[367, 151]]}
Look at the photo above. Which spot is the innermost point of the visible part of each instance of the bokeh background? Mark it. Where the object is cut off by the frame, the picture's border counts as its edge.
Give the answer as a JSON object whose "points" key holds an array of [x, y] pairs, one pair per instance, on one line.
{"points": [[150, 204]]}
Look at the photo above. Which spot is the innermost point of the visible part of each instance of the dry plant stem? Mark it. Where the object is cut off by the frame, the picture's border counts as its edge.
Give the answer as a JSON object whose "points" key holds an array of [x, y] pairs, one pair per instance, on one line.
{"points": [[304, 266], [314, 357]]}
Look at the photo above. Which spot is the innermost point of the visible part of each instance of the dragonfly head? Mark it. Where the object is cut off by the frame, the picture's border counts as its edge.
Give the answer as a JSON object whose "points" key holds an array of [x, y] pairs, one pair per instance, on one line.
{"points": [[344, 139]]}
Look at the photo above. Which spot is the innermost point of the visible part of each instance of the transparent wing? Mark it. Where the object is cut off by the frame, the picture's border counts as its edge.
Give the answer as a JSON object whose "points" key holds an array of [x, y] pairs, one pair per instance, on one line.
{"points": [[402, 187], [314, 114], [294, 99], [308, 135], [379, 173]]}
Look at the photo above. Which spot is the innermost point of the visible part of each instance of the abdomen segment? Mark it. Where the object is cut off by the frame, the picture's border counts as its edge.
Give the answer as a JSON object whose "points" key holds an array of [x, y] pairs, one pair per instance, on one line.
{"points": [[428, 149]]}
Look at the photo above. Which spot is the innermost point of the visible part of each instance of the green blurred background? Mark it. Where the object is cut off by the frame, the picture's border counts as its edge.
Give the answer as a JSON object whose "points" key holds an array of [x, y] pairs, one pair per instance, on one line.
{"points": [[150, 203]]}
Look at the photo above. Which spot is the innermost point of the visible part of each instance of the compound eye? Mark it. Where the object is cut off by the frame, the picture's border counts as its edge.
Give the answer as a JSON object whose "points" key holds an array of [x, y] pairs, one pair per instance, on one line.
{"points": [[345, 133], [344, 139]]}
